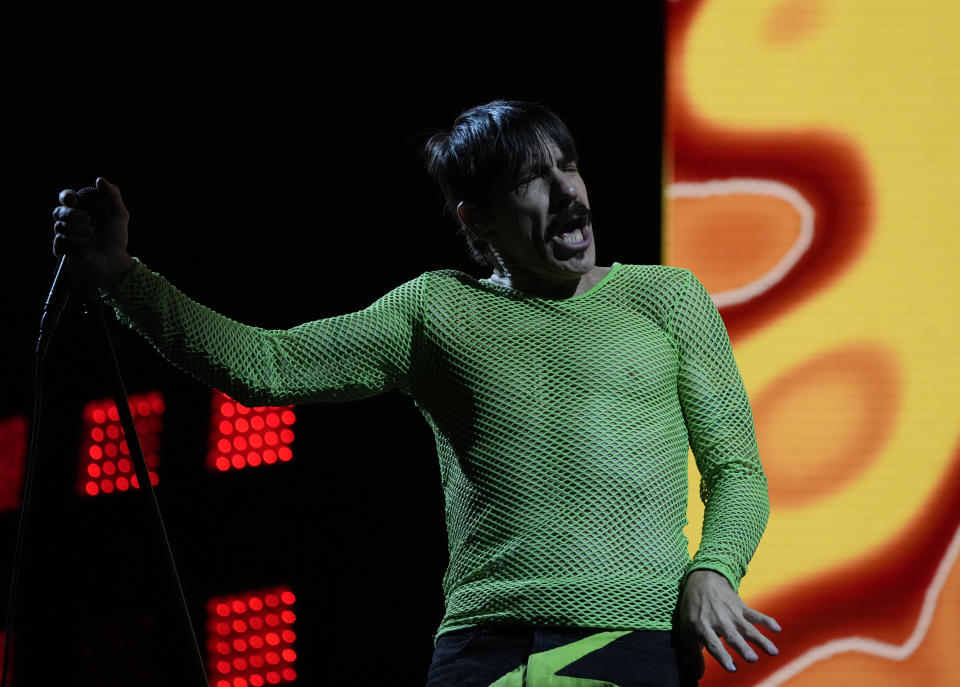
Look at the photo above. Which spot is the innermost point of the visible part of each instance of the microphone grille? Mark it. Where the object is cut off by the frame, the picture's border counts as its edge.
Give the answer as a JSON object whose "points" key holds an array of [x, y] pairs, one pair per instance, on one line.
{"points": [[94, 201]]}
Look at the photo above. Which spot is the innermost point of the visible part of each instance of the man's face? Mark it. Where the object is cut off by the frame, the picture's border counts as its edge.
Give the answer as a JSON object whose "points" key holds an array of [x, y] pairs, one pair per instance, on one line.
{"points": [[541, 227]]}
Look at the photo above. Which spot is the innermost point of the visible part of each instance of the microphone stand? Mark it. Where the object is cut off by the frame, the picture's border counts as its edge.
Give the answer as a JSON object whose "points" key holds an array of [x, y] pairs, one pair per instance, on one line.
{"points": [[92, 303]]}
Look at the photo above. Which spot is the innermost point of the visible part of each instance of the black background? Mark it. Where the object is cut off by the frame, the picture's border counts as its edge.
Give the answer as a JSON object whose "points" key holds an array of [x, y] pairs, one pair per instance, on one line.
{"points": [[270, 162]]}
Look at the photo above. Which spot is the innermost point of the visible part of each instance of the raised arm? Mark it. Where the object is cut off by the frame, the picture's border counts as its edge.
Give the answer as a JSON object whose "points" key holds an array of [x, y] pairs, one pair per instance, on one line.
{"points": [[338, 358], [733, 485]]}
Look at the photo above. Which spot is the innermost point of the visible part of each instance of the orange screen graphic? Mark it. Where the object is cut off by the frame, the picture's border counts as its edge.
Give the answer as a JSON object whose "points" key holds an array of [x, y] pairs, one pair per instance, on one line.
{"points": [[812, 165]]}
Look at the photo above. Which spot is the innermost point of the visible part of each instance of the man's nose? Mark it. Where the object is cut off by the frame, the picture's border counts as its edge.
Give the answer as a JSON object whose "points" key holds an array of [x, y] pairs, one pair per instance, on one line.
{"points": [[562, 190]]}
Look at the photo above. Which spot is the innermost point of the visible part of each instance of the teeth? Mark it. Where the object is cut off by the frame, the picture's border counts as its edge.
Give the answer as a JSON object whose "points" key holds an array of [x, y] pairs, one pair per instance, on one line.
{"points": [[575, 236]]}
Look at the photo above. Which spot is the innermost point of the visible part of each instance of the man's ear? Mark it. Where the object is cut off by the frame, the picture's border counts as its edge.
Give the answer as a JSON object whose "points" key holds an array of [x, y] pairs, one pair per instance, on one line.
{"points": [[469, 214]]}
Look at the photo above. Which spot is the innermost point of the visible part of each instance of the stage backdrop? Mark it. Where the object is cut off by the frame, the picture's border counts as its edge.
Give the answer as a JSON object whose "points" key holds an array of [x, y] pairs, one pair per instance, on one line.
{"points": [[811, 173]]}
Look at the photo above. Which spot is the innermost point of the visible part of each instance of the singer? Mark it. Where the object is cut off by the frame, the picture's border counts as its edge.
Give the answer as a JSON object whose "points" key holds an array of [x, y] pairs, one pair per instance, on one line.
{"points": [[563, 396]]}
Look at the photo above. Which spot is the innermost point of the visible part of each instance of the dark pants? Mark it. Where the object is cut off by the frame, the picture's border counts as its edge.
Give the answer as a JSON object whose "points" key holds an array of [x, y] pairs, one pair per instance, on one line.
{"points": [[497, 656]]}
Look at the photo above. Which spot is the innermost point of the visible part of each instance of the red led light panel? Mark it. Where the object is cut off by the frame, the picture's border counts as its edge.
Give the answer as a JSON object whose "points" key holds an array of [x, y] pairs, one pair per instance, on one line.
{"points": [[243, 437], [13, 452], [250, 639], [105, 463]]}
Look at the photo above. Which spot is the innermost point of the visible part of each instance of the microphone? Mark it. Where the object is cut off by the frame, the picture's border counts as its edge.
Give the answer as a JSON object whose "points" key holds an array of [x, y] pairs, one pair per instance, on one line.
{"points": [[93, 201]]}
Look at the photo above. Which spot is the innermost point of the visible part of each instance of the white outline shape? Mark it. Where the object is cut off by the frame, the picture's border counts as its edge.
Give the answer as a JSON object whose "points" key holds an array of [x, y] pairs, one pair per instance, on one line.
{"points": [[766, 187], [893, 652]]}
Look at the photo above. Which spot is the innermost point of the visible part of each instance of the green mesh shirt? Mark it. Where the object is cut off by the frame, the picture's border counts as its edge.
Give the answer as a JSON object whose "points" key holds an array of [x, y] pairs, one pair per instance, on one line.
{"points": [[562, 427]]}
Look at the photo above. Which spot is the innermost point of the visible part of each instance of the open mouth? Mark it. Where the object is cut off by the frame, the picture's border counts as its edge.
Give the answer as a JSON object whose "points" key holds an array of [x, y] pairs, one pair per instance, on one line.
{"points": [[571, 228], [573, 238]]}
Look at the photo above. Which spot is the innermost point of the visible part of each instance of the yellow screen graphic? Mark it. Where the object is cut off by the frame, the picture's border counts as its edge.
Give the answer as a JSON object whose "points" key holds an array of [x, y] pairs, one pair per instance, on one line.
{"points": [[813, 184]]}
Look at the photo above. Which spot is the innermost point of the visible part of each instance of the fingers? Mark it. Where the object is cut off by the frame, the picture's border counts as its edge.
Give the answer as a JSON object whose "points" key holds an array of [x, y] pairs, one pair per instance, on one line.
{"points": [[736, 641], [713, 644], [72, 225], [758, 618], [68, 245], [113, 198], [757, 638]]}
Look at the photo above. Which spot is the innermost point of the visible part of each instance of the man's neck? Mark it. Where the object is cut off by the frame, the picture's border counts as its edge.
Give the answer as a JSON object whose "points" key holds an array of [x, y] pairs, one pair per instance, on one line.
{"points": [[554, 289]]}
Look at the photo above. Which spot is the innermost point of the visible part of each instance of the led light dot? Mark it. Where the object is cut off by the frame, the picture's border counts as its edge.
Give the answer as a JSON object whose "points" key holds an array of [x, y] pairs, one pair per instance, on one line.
{"points": [[256, 679], [96, 453], [272, 600], [273, 420], [257, 422], [110, 450], [269, 456], [289, 674], [256, 440], [223, 648], [255, 603], [123, 483], [273, 677], [93, 470], [239, 626], [223, 463], [253, 459], [239, 606], [113, 431], [226, 427], [288, 417], [124, 465], [106, 486], [239, 443], [223, 610], [288, 636], [109, 467], [241, 425], [237, 461], [288, 617], [154, 479], [239, 645], [286, 436], [92, 488], [227, 409], [224, 445], [284, 453], [99, 416], [273, 658], [243, 410], [240, 663], [287, 597], [273, 639], [97, 434], [223, 667]]}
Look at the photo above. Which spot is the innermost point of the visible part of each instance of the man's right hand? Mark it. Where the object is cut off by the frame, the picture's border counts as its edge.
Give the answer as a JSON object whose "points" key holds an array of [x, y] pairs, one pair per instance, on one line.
{"points": [[99, 252]]}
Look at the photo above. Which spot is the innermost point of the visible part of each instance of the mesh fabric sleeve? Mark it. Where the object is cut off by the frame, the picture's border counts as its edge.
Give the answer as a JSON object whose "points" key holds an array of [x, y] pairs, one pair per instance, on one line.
{"points": [[337, 358], [720, 426]]}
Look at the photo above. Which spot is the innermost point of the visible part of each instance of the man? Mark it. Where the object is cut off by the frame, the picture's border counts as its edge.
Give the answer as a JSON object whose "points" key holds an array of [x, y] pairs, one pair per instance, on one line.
{"points": [[563, 397]]}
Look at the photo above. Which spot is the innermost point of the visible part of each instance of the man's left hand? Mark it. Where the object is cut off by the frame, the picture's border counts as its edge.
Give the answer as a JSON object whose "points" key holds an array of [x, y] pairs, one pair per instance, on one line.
{"points": [[710, 610]]}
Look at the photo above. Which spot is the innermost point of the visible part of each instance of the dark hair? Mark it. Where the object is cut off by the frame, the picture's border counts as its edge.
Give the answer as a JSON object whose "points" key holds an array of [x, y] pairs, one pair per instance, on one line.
{"points": [[485, 152]]}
